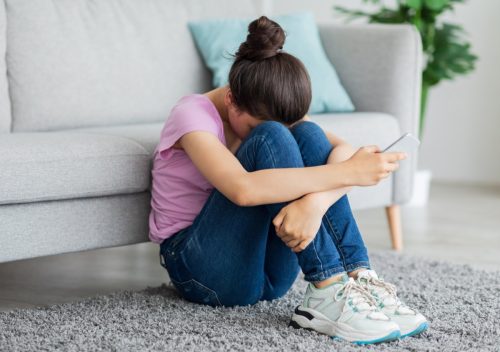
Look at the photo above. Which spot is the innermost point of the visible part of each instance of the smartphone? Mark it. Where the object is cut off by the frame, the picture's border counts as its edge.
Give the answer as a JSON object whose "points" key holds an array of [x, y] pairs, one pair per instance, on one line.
{"points": [[406, 143]]}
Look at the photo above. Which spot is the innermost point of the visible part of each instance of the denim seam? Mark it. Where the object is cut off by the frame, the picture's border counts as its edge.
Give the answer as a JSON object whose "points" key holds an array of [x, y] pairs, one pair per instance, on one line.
{"points": [[323, 275], [206, 206], [337, 240], [263, 286], [317, 256], [303, 134], [173, 248], [186, 245], [358, 265], [304, 157], [299, 133], [207, 289], [245, 153], [264, 141]]}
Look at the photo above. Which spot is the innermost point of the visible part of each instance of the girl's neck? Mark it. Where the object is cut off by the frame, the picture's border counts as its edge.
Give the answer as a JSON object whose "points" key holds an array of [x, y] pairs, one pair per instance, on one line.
{"points": [[217, 97]]}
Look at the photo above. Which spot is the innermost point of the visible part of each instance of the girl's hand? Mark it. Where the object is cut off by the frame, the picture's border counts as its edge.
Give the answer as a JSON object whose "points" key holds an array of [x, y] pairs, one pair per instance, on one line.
{"points": [[368, 165], [298, 223]]}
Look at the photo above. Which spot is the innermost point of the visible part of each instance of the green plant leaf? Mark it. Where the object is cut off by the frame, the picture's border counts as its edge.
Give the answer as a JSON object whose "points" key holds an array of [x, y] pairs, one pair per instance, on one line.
{"points": [[436, 5], [448, 53], [387, 16], [451, 55], [419, 23], [414, 4]]}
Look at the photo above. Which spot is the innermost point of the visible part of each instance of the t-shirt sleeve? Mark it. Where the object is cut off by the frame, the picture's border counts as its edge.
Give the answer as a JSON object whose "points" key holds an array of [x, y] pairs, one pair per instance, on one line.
{"points": [[181, 121]]}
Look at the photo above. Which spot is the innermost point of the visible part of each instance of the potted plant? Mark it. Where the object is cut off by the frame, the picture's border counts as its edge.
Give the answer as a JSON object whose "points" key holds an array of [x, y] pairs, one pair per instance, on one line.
{"points": [[446, 54]]}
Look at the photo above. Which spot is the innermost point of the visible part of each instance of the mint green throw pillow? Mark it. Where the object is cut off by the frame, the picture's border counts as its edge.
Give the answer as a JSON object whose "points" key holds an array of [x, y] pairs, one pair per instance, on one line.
{"points": [[218, 39]]}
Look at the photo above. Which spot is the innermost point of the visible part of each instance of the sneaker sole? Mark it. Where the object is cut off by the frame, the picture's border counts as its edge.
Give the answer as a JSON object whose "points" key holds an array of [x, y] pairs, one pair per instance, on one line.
{"points": [[391, 337], [421, 328], [302, 319]]}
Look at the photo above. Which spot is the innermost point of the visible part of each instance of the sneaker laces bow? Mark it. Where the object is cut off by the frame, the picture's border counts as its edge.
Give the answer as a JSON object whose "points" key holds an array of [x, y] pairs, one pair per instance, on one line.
{"points": [[387, 292], [359, 296]]}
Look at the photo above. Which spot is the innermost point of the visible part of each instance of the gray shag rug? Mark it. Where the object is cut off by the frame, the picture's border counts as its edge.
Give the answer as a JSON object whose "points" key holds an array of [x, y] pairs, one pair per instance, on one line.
{"points": [[461, 303]]}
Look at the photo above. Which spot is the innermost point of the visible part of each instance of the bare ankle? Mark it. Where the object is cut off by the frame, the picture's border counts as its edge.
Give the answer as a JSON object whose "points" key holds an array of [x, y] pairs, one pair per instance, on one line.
{"points": [[330, 280]]}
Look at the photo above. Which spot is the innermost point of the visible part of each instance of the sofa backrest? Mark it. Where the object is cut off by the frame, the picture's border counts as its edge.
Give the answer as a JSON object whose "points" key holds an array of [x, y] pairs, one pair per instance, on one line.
{"points": [[5, 118], [86, 63]]}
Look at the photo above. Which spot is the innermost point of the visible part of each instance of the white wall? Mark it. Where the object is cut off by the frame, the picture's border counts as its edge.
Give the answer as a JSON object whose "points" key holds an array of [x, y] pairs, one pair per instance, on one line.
{"points": [[461, 139]]}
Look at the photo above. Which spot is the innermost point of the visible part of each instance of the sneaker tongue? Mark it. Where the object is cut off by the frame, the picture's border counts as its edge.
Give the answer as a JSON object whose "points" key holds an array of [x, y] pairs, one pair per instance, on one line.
{"points": [[345, 278], [367, 274], [339, 284]]}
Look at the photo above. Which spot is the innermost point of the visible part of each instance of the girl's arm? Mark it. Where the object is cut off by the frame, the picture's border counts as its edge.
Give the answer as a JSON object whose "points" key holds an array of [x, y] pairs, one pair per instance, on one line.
{"points": [[325, 199], [225, 172], [341, 152]]}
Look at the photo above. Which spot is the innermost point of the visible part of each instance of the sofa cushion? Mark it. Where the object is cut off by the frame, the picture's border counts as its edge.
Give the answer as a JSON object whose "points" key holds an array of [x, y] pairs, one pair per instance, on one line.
{"points": [[61, 165], [361, 128], [5, 118], [146, 134], [96, 63], [97, 161]]}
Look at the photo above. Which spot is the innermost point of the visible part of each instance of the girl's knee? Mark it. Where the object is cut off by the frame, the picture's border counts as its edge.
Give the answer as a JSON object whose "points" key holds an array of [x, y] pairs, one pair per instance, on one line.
{"points": [[306, 127], [313, 143], [270, 144], [309, 130], [271, 128]]}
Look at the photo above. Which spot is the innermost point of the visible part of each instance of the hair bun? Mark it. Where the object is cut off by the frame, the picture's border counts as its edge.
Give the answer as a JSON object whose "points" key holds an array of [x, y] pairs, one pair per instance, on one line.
{"points": [[265, 39]]}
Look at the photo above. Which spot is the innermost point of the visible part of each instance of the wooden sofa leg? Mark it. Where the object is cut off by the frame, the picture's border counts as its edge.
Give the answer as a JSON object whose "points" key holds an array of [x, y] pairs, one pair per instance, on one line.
{"points": [[394, 218]]}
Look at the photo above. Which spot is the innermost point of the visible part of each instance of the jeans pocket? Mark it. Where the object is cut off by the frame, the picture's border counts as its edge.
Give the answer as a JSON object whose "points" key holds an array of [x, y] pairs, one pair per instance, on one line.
{"points": [[171, 246], [196, 292]]}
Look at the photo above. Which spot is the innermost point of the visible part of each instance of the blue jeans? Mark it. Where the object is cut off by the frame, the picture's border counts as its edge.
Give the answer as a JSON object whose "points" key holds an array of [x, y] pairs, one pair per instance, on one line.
{"points": [[230, 255]]}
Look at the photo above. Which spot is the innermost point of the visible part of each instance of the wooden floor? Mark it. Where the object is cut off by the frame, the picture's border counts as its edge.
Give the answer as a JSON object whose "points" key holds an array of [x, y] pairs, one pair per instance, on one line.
{"points": [[460, 224]]}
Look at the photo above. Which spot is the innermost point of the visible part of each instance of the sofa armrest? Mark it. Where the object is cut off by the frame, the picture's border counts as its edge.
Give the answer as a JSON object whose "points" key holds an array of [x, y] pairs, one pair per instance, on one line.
{"points": [[380, 67]]}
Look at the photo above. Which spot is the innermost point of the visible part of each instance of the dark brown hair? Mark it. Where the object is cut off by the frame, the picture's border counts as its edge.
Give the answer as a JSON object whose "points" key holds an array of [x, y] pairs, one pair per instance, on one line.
{"points": [[266, 82]]}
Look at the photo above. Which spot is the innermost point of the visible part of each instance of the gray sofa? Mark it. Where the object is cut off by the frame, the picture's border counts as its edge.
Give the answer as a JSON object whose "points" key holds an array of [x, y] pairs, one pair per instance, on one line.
{"points": [[86, 87]]}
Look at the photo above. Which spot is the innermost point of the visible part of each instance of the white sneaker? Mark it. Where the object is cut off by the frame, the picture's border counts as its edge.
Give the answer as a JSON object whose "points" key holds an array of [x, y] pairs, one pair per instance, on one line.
{"points": [[344, 310], [409, 320]]}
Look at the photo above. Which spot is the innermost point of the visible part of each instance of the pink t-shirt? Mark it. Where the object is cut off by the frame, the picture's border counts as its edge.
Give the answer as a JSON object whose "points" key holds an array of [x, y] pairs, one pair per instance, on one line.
{"points": [[179, 190]]}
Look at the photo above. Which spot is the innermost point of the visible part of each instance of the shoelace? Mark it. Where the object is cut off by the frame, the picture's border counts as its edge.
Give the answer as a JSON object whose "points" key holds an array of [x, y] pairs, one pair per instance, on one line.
{"points": [[388, 293], [360, 296]]}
